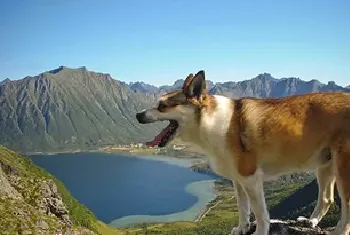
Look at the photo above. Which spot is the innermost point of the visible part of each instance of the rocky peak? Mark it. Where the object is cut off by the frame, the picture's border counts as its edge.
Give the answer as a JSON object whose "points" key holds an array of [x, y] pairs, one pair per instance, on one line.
{"points": [[59, 69], [331, 83], [265, 76], [142, 87], [5, 81]]}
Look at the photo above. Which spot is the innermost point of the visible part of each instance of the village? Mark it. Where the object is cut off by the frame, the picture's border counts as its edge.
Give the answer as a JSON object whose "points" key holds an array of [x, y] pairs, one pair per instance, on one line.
{"points": [[142, 148]]}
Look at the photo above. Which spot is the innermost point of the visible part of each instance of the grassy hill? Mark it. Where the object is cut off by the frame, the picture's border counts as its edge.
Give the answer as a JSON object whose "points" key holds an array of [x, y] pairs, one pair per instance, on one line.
{"points": [[34, 202]]}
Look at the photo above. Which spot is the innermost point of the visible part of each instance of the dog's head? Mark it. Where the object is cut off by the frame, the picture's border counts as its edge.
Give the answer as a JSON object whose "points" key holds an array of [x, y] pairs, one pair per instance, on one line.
{"points": [[180, 107]]}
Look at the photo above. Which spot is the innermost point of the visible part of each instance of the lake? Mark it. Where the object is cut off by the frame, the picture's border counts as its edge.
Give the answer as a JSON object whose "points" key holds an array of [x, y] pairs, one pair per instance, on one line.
{"points": [[123, 190]]}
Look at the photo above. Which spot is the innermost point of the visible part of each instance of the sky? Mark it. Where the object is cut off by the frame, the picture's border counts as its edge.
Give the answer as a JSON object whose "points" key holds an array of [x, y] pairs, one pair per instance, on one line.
{"points": [[159, 41]]}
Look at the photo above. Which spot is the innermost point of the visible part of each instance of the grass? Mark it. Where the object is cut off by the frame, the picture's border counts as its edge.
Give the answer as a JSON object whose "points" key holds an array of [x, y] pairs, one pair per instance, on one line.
{"points": [[104, 229]]}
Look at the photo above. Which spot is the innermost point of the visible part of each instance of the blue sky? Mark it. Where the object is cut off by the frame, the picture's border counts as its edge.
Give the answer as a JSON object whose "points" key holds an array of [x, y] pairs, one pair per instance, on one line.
{"points": [[158, 41]]}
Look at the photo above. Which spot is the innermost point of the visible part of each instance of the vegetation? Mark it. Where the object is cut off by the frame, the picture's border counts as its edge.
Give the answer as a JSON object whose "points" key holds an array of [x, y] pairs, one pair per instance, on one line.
{"points": [[302, 203], [21, 200]]}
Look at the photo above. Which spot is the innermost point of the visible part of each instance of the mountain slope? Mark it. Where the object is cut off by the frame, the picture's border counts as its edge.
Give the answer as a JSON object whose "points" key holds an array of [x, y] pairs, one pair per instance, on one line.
{"points": [[34, 202], [70, 109], [302, 203], [293, 207]]}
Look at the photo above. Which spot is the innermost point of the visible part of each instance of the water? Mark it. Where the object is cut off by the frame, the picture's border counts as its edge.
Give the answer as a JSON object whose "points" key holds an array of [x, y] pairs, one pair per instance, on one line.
{"points": [[123, 190]]}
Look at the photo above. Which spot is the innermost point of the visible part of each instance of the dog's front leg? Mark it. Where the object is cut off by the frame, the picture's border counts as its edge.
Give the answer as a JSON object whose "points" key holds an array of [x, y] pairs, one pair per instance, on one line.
{"points": [[243, 210], [253, 186]]}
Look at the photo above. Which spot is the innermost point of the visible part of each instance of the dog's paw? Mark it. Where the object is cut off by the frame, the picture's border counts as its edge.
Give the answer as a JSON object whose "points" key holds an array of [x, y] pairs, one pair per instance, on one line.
{"points": [[241, 229]]}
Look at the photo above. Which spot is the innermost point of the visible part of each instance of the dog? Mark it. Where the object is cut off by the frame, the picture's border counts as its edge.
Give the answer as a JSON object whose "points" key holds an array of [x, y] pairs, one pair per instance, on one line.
{"points": [[250, 140]]}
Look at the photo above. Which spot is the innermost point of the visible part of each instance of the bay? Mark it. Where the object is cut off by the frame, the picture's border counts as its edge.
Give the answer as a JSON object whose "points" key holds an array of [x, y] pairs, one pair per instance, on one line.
{"points": [[123, 190]]}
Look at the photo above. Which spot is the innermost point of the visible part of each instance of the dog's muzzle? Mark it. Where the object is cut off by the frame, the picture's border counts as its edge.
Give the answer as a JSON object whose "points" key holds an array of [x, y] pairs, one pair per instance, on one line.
{"points": [[142, 117]]}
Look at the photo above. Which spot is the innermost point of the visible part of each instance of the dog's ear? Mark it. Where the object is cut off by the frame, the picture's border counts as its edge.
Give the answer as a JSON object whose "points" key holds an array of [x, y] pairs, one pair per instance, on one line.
{"points": [[194, 86]]}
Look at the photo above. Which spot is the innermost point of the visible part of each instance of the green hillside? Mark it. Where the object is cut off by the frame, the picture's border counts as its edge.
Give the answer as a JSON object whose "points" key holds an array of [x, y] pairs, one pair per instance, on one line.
{"points": [[34, 202]]}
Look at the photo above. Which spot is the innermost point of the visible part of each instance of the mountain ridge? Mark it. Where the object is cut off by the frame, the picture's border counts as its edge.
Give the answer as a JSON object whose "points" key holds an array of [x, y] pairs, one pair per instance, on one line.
{"points": [[77, 109]]}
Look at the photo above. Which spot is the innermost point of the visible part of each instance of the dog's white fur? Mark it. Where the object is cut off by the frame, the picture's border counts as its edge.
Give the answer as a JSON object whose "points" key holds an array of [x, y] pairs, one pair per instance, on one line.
{"points": [[213, 142]]}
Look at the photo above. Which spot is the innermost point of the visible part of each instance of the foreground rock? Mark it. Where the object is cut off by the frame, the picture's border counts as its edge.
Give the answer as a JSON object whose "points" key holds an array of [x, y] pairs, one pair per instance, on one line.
{"points": [[292, 227]]}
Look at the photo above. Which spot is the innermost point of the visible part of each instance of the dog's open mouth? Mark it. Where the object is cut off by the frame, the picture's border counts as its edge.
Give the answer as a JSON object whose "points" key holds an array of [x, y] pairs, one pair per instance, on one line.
{"points": [[162, 139]]}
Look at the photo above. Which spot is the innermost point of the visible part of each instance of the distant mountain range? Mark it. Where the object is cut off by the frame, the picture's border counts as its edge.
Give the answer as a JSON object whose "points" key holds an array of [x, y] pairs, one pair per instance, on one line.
{"points": [[71, 109], [262, 86]]}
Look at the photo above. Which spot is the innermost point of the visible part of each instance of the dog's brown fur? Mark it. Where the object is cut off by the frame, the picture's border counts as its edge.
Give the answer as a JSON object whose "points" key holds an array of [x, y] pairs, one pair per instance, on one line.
{"points": [[271, 137], [294, 127]]}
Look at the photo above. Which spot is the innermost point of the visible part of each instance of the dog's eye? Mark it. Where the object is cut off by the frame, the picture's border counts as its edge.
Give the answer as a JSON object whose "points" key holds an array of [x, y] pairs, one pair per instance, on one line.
{"points": [[161, 106]]}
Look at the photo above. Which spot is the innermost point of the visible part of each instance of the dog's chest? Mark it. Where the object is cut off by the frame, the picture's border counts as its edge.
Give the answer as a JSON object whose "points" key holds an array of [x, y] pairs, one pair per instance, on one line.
{"points": [[213, 134]]}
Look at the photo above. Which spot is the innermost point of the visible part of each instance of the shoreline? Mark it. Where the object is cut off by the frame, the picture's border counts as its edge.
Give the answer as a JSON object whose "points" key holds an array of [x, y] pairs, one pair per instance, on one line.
{"points": [[204, 191], [150, 219], [134, 151]]}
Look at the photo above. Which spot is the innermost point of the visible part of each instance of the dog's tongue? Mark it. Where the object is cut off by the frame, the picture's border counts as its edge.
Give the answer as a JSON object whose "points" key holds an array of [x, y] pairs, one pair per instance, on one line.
{"points": [[160, 136]]}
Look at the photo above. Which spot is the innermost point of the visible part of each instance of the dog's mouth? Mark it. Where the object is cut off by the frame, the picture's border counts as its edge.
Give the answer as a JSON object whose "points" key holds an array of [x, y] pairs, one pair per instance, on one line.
{"points": [[167, 134]]}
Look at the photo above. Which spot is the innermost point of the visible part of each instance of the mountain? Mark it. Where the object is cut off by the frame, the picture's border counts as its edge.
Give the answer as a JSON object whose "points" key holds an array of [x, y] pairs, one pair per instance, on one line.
{"points": [[142, 87], [264, 85], [72, 109], [66, 109], [178, 85], [5, 81], [34, 202]]}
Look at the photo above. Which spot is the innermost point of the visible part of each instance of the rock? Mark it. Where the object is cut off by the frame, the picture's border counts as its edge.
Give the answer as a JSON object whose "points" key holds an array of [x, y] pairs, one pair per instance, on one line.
{"points": [[9, 170], [5, 187], [291, 227], [81, 231], [41, 224], [51, 203]]}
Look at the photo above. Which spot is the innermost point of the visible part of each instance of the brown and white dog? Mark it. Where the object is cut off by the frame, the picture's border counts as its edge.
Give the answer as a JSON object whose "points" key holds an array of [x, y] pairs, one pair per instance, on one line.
{"points": [[249, 140]]}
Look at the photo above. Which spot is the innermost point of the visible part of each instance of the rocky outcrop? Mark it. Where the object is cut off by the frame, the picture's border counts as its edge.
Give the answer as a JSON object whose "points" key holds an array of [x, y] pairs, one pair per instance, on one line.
{"points": [[6, 190], [51, 202], [292, 227]]}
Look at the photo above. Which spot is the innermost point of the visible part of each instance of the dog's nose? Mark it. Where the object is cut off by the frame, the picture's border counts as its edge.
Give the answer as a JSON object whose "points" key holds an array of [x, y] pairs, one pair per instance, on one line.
{"points": [[141, 117], [138, 116]]}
